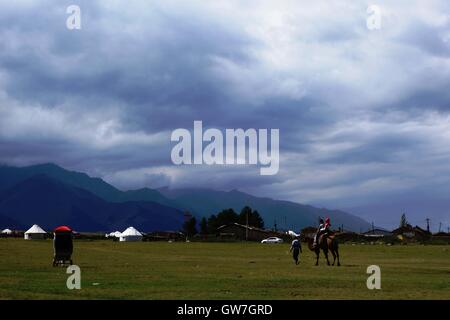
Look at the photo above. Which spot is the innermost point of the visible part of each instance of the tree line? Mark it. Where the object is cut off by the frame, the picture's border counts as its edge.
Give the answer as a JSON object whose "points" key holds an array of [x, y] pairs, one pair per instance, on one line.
{"points": [[228, 216]]}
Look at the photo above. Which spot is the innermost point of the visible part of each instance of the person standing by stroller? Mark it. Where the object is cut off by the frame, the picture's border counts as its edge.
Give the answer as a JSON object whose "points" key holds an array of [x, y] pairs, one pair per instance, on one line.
{"points": [[296, 248]]}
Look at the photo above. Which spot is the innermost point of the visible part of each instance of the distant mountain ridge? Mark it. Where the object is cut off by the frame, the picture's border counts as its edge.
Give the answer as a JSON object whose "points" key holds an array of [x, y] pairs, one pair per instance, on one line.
{"points": [[10, 176], [49, 202], [286, 214], [103, 207]]}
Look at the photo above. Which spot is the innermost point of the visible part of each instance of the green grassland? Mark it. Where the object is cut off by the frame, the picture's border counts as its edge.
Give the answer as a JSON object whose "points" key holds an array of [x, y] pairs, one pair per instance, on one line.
{"points": [[161, 270]]}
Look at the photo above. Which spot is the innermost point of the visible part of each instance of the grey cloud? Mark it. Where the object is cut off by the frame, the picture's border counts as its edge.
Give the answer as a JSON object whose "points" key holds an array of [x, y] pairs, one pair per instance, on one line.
{"points": [[355, 109]]}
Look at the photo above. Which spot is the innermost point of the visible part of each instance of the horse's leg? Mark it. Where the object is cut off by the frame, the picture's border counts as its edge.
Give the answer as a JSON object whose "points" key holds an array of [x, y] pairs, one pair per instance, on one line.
{"points": [[331, 249], [337, 254], [335, 247], [317, 257], [334, 256], [325, 251]]}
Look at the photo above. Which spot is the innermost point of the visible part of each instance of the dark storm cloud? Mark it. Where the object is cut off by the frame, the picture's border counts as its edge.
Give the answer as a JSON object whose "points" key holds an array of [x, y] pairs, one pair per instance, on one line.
{"points": [[357, 109], [154, 75], [428, 38]]}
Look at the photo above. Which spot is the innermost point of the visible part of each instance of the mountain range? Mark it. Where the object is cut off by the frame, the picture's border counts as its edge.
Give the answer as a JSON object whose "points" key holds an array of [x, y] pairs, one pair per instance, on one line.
{"points": [[49, 195]]}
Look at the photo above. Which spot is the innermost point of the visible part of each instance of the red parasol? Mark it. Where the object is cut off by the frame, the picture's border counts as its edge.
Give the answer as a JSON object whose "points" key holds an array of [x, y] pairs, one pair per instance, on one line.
{"points": [[62, 229]]}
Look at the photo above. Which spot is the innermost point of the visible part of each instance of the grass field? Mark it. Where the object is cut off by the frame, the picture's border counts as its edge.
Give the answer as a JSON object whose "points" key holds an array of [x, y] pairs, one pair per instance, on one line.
{"points": [[156, 270]]}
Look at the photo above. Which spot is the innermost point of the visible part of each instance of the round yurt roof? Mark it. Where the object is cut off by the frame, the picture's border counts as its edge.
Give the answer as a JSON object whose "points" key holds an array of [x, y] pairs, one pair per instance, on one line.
{"points": [[7, 231], [131, 232], [63, 229], [35, 229]]}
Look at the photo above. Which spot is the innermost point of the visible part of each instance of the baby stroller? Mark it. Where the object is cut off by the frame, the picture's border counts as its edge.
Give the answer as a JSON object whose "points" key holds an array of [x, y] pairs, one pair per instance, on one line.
{"points": [[63, 246]]}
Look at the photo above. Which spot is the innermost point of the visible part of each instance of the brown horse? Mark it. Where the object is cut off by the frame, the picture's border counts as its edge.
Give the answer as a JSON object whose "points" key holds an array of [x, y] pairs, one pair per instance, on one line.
{"points": [[326, 242]]}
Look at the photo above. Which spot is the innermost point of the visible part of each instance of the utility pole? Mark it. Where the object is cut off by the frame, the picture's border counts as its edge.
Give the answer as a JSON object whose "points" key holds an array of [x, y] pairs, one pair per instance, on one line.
{"points": [[246, 229], [187, 217], [428, 224], [373, 228], [440, 225]]}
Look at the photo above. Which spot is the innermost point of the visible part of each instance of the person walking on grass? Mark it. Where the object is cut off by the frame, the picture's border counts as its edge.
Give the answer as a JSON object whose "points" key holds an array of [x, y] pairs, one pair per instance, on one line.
{"points": [[296, 248]]}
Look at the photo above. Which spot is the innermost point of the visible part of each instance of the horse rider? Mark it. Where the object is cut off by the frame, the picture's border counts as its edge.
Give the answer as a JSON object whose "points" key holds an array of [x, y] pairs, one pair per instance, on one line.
{"points": [[296, 248], [324, 227]]}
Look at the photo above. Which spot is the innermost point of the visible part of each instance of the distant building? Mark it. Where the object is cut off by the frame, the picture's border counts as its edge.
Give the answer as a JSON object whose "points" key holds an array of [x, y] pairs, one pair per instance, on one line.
{"points": [[35, 232], [412, 233], [378, 233], [131, 234], [7, 231], [242, 232], [165, 236], [441, 234], [115, 234]]}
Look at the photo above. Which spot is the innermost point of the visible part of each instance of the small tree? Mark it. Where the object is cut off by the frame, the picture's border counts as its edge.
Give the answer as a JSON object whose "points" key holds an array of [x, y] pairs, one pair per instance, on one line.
{"points": [[190, 227], [203, 226], [227, 216], [212, 224], [254, 218]]}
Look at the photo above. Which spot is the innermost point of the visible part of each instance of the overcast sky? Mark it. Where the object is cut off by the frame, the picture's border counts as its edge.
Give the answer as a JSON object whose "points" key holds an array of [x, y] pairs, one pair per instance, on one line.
{"points": [[363, 114]]}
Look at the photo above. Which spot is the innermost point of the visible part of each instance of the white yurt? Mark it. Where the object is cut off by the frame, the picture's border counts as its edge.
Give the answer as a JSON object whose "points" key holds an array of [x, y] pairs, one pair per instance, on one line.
{"points": [[115, 234], [7, 231], [35, 232], [131, 234]]}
